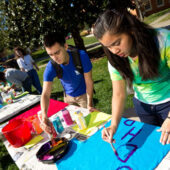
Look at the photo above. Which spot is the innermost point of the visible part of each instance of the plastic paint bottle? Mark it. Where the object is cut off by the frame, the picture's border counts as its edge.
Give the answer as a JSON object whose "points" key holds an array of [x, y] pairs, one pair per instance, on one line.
{"points": [[8, 98], [57, 124], [36, 125], [12, 93], [3, 95], [67, 118], [80, 120]]}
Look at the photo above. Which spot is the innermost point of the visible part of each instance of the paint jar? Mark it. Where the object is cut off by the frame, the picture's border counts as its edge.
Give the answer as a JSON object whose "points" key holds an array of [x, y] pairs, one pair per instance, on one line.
{"points": [[3, 95], [13, 93], [36, 126], [67, 117], [80, 120], [8, 98], [57, 124]]}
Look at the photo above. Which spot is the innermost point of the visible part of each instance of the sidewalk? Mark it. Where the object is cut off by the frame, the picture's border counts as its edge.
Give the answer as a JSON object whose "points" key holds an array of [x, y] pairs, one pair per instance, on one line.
{"points": [[159, 23]]}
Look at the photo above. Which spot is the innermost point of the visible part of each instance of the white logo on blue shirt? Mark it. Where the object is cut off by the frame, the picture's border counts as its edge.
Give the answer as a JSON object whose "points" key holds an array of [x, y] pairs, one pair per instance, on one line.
{"points": [[77, 73]]}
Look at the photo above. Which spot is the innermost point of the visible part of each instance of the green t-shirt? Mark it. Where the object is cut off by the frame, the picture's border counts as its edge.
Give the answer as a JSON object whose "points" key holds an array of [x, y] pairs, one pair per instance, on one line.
{"points": [[151, 91]]}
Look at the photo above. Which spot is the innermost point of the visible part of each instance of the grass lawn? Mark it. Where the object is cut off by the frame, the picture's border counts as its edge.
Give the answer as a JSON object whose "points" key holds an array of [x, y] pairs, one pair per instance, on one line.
{"points": [[87, 40], [155, 16]]}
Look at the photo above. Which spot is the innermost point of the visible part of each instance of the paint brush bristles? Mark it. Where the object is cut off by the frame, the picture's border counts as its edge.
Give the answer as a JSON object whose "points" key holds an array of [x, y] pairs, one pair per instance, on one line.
{"points": [[114, 150]]}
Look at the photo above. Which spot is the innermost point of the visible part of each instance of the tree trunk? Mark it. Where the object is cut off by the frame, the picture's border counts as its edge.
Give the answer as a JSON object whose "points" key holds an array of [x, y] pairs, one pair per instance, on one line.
{"points": [[78, 40], [139, 12]]}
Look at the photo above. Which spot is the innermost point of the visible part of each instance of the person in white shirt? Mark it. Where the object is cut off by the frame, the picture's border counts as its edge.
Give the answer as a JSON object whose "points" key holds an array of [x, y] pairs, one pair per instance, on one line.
{"points": [[27, 64]]}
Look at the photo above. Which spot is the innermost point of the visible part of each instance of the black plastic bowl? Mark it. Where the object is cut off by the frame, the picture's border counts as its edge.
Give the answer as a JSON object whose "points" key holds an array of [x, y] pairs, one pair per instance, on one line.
{"points": [[49, 154]]}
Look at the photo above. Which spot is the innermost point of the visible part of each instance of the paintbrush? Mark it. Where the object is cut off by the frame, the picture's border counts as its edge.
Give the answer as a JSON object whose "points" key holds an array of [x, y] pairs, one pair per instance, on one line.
{"points": [[114, 150]]}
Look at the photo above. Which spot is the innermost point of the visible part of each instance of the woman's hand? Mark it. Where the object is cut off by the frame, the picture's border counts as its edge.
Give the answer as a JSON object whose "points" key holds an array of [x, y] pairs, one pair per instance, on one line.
{"points": [[109, 131], [165, 129]]}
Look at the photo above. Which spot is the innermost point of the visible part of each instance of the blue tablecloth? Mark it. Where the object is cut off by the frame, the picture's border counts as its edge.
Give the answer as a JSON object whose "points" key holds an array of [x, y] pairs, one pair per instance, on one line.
{"points": [[137, 145]]}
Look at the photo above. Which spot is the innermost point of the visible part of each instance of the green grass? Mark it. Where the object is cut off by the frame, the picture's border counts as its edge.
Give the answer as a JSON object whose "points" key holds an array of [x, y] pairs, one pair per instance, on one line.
{"points": [[39, 54], [6, 162], [165, 18], [87, 40], [42, 62], [155, 16]]}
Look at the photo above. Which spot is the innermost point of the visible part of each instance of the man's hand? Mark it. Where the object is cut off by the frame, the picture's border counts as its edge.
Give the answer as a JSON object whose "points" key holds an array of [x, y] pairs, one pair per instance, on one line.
{"points": [[46, 125], [92, 109], [165, 129]]}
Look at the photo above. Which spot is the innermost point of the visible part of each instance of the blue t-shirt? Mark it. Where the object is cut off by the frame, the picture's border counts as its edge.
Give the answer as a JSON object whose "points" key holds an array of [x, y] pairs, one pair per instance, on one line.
{"points": [[73, 82]]}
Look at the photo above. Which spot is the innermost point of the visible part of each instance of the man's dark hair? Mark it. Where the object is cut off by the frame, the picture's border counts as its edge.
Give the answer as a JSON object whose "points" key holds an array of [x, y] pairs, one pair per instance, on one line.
{"points": [[51, 38]]}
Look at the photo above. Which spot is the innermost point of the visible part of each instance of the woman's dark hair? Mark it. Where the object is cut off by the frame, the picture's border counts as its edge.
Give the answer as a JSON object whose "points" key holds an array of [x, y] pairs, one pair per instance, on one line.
{"points": [[51, 38], [19, 49], [144, 43], [2, 77]]}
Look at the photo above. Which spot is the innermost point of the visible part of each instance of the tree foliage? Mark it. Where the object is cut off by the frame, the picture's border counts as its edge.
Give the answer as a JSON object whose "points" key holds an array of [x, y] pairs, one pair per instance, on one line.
{"points": [[27, 21]]}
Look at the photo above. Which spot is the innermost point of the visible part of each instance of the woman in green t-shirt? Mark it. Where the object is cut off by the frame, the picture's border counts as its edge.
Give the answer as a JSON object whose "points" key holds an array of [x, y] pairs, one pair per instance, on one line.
{"points": [[140, 56]]}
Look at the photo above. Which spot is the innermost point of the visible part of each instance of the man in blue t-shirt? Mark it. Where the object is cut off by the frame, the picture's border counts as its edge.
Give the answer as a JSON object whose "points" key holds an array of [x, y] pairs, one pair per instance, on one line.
{"points": [[78, 88]]}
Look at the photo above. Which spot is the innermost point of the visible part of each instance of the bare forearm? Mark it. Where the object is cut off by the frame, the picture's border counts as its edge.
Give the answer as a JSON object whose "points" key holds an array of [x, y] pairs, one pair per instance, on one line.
{"points": [[36, 67], [44, 104], [22, 69], [89, 91]]}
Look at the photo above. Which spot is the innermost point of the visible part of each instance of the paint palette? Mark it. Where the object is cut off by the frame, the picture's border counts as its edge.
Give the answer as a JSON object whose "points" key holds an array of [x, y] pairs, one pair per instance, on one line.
{"points": [[50, 152]]}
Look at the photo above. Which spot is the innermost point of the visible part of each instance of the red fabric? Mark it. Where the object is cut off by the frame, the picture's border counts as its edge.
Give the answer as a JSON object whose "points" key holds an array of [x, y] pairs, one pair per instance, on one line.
{"points": [[54, 107]]}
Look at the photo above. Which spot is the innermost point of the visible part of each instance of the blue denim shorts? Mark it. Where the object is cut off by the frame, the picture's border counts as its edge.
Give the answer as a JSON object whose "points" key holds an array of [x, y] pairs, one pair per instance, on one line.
{"points": [[152, 114]]}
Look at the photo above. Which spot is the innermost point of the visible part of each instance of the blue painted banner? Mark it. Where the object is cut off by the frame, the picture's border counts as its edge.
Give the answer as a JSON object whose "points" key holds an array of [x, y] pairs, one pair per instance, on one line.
{"points": [[137, 145]]}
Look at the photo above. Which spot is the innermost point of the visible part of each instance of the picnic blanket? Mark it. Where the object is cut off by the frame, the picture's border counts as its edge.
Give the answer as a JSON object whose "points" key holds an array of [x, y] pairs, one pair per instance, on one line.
{"points": [[137, 145]]}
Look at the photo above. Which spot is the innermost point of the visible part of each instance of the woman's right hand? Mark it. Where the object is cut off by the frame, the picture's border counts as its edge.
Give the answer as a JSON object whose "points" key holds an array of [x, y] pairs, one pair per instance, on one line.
{"points": [[111, 131], [46, 125]]}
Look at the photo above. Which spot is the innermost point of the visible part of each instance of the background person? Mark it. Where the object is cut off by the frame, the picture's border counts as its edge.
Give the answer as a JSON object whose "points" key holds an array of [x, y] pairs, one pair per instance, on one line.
{"points": [[139, 55], [16, 78], [78, 87], [27, 64]]}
